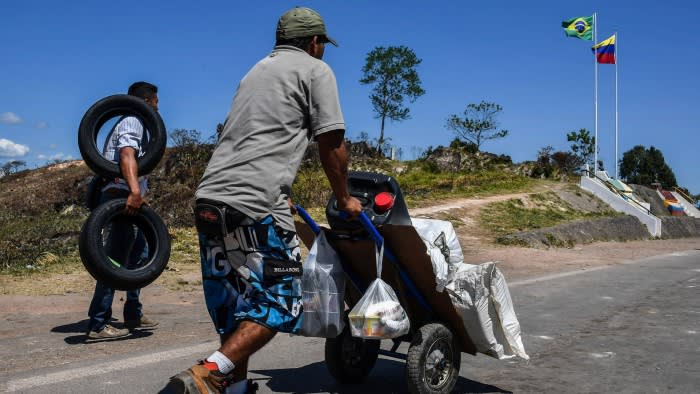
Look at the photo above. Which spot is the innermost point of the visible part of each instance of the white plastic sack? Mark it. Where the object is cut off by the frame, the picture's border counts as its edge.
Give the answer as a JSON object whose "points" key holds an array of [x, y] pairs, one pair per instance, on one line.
{"points": [[443, 247], [480, 295], [378, 314], [440, 268], [323, 290]]}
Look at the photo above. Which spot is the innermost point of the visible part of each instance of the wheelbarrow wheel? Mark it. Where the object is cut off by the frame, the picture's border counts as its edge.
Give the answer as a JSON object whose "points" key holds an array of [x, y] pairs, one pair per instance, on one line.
{"points": [[433, 360], [350, 359]]}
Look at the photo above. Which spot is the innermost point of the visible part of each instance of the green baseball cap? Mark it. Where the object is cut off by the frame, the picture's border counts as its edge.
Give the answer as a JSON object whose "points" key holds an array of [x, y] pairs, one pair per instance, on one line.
{"points": [[302, 22]]}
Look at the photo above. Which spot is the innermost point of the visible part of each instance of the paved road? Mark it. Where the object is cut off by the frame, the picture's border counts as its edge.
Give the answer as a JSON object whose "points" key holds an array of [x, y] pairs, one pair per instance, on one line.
{"points": [[632, 327]]}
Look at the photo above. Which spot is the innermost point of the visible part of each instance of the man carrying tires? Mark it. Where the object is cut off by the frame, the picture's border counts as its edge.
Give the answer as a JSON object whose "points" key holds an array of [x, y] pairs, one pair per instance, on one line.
{"points": [[124, 245], [251, 265]]}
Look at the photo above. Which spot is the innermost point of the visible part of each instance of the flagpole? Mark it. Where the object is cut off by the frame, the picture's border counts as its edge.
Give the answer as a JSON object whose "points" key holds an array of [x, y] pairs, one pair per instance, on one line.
{"points": [[617, 60], [595, 89]]}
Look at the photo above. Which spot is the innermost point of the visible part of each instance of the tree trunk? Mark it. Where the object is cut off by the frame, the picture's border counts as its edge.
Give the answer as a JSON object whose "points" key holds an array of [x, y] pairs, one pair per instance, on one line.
{"points": [[380, 142]]}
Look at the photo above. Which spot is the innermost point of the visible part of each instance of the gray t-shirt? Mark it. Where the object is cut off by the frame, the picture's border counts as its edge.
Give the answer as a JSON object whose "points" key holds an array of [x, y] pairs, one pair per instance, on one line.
{"points": [[284, 101]]}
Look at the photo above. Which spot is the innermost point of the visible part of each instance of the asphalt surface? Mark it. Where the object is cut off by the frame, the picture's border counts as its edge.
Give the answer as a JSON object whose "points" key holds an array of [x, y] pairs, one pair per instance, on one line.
{"points": [[632, 327]]}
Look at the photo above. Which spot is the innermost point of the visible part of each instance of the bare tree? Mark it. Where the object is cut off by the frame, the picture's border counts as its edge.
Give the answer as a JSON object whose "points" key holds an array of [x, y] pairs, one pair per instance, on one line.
{"points": [[478, 123], [12, 166]]}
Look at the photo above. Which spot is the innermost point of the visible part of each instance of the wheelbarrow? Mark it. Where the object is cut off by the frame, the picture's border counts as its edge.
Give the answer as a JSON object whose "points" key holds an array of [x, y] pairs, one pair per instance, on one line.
{"points": [[437, 336]]}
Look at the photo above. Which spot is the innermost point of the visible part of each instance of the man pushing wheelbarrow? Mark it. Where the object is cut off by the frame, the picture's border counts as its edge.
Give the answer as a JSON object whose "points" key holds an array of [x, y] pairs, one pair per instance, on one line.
{"points": [[251, 265]]}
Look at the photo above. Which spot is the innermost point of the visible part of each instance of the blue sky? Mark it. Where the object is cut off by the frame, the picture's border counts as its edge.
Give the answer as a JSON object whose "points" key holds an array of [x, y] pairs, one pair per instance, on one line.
{"points": [[60, 57]]}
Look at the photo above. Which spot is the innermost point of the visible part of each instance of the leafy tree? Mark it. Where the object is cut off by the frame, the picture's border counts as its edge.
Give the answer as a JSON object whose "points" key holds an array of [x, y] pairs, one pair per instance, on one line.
{"points": [[467, 146], [645, 166], [184, 137], [363, 137], [391, 72], [478, 123], [582, 145], [12, 167], [566, 161], [543, 165]]}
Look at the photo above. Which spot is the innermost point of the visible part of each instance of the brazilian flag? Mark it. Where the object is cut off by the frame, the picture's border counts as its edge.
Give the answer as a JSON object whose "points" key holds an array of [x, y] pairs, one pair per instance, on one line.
{"points": [[581, 27]]}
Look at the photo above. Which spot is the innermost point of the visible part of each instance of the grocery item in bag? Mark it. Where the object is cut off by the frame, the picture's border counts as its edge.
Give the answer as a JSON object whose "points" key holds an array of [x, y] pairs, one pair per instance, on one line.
{"points": [[378, 314], [323, 289]]}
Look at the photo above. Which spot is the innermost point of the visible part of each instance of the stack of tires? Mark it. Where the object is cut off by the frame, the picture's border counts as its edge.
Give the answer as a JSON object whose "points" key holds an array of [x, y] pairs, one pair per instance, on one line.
{"points": [[95, 230]]}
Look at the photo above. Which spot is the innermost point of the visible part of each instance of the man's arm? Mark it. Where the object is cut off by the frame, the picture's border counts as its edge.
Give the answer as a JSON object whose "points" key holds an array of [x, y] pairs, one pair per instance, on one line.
{"points": [[130, 172], [334, 159]]}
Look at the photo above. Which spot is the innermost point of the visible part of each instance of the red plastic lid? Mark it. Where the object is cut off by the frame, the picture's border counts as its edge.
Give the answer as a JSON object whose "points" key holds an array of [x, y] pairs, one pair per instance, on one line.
{"points": [[383, 201]]}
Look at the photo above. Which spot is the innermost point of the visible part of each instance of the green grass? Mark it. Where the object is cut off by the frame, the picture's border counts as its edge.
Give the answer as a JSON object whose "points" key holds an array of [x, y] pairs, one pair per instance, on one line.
{"points": [[27, 241], [422, 187], [544, 210], [184, 246]]}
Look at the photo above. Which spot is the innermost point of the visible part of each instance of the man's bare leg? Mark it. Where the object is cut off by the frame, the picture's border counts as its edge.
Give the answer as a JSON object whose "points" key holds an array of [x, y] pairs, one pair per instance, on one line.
{"points": [[239, 345]]}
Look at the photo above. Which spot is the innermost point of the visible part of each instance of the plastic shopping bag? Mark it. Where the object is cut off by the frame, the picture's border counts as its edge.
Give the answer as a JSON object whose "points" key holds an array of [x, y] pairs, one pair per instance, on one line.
{"points": [[379, 314], [323, 290]]}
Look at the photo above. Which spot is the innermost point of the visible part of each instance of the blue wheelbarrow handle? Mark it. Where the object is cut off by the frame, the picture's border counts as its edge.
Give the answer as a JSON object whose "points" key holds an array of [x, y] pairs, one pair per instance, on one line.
{"points": [[364, 220], [379, 240], [308, 219]]}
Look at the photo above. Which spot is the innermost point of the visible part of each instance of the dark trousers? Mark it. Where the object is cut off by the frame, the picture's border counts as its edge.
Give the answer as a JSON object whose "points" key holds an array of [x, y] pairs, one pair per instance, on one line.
{"points": [[126, 245]]}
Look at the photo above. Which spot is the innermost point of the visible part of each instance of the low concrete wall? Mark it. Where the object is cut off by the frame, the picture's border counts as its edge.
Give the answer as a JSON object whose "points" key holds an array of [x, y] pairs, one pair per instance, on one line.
{"points": [[621, 228], [617, 203], [680, 227]]}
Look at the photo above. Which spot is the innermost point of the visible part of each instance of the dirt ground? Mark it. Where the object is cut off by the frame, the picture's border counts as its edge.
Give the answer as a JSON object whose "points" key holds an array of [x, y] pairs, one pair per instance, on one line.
{"points": [[43, 317], [181, 281]]}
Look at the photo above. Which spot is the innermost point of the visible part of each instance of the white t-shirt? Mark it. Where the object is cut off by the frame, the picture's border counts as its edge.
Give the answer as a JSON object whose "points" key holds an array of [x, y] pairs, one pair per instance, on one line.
{"points": [[127, 132]]}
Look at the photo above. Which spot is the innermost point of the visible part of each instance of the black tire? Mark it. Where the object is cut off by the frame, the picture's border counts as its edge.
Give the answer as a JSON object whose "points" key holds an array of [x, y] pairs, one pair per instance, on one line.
{"points": [[433, 360], [350, 359], [111, 107], [94, 257]]}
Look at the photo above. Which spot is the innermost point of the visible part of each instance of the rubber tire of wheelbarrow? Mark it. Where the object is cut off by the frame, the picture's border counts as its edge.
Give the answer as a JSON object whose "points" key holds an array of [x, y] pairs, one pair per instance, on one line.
{"points": [[94, 257], [110, 107], [417, 355], [336, 364]]}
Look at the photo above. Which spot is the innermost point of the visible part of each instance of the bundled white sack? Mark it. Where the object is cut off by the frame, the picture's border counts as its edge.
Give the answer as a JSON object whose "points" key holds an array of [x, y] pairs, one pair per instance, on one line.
{"points": [[480, 295], [443, 247]]}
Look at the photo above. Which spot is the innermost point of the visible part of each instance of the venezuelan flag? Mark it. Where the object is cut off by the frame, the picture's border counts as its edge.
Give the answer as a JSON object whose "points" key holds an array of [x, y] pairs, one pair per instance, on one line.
{"points": [[581, 27], [605, 51]]}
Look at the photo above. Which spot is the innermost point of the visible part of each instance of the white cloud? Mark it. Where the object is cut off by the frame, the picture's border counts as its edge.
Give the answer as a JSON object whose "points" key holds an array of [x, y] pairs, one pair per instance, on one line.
{"points": [[11, 149], [10, 118], [41, 125]]}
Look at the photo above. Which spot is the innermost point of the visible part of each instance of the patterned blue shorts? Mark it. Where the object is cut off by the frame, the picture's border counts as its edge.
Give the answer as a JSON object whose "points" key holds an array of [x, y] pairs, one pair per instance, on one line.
{"points": [[253, 273]]}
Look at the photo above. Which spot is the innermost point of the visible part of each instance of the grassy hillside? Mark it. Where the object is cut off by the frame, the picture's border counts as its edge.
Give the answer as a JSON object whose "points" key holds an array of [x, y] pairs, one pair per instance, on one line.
{"points": [[43, 209], [538, 211]]}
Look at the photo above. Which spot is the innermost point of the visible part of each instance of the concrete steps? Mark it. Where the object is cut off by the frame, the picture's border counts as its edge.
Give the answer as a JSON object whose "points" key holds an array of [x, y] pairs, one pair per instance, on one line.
{"points": [[689, 208]]}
